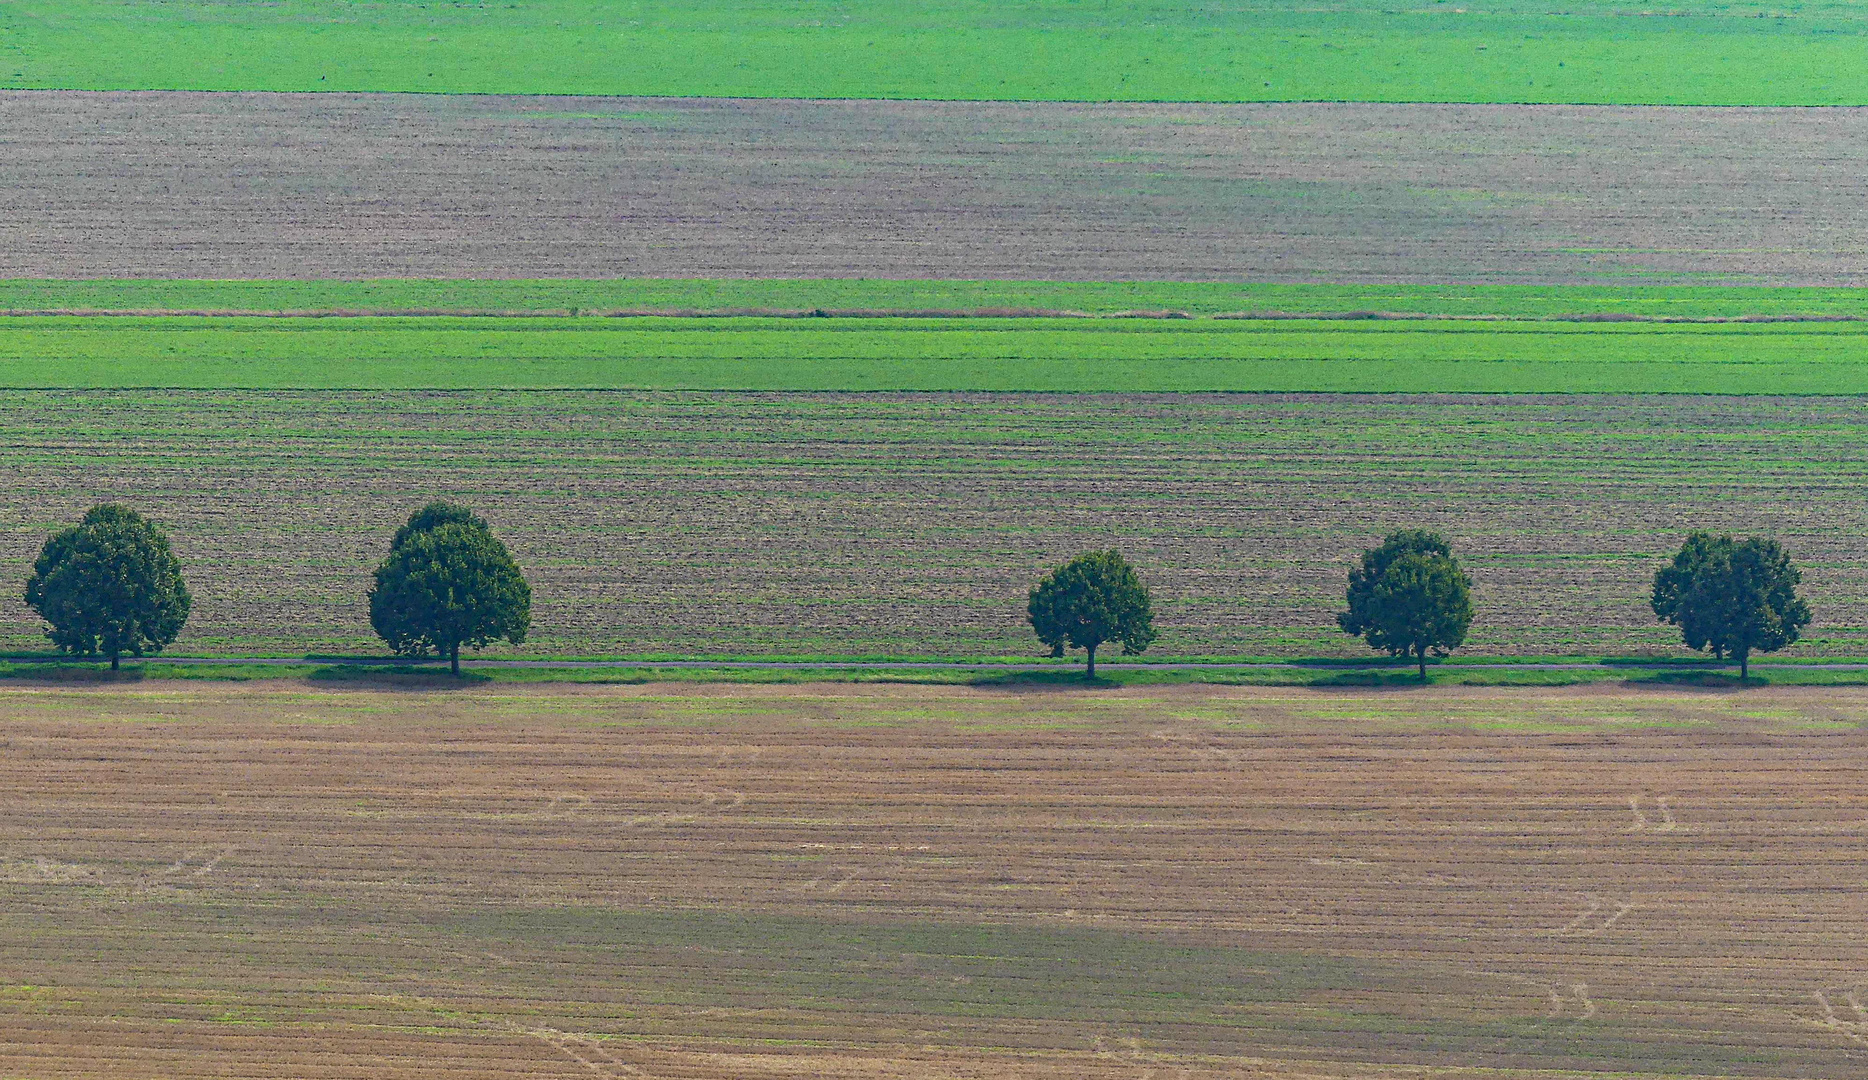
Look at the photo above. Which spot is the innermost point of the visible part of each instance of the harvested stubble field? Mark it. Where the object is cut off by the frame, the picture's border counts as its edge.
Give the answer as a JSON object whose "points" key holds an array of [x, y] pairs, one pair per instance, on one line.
{"points": [[342, 186], [912, 524], [913, 882]]}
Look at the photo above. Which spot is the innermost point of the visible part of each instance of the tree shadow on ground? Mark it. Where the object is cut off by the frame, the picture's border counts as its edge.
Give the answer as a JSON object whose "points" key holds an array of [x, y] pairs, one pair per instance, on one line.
{"points": [[73, 673], [1037, 681], [1398, 679], [1707, 680], [398, 676]]}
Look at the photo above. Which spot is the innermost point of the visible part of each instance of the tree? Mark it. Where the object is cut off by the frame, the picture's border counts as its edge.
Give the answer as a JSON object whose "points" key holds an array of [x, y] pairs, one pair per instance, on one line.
{"points": [[1734, 598], [1409, 597], [433, 516], [448, 582], [109, 585], [1092, 599]]}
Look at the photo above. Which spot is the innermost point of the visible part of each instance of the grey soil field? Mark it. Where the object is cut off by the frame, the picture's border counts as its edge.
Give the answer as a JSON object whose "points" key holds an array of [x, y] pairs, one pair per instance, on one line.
{"points": [[913, 524], [305, 186]]}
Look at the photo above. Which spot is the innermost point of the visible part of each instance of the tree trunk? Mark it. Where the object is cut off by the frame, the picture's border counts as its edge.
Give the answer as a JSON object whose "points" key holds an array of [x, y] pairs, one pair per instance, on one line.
{"points": [[1421, 655], [113, 661], [454, 659], [1091, 673], [1744, 664]]}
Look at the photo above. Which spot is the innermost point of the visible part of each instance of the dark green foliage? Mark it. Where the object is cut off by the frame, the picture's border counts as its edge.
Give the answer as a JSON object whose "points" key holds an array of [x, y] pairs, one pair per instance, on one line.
{"points": [[1409, 597], [1092, 599], [1732, 597], [109, 585], [433, 516], [448, 582]]}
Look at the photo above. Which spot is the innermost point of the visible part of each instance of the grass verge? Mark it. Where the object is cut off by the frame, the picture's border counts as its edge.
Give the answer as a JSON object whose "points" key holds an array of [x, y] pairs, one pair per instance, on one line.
{"points": [[434, 677], [415, 296]]}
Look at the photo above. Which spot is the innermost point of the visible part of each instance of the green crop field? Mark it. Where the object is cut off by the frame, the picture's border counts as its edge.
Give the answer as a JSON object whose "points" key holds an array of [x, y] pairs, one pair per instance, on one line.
{"points": [[1078, 50], [1066, 355], [391, 296]]}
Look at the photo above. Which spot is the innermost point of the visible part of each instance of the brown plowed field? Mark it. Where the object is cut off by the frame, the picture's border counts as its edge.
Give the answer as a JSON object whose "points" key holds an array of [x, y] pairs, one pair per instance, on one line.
{"points": [[913, 524], [336, 185], [281, 880]]}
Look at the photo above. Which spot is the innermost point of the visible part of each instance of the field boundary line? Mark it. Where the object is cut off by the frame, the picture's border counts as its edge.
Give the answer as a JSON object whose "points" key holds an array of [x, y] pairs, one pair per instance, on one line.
{"points": [[1344, 666]]}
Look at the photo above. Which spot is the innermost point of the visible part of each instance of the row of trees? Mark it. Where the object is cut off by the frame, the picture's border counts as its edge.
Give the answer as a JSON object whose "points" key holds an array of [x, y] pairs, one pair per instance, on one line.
{"points": [[111, 586], [1410, 598]]}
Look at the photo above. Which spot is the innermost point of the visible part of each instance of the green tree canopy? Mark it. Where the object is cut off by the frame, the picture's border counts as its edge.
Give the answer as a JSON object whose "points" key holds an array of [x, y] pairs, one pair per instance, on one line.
{"points": [[433, 516], [1732, 597], [1092, 599], [109, 585], [448, 582], [1409, 597]]}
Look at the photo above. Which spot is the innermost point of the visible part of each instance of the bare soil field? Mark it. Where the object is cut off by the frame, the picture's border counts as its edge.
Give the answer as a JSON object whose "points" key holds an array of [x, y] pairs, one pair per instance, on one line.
{"points": [[330, 185], [282, 880], [913, 524]]}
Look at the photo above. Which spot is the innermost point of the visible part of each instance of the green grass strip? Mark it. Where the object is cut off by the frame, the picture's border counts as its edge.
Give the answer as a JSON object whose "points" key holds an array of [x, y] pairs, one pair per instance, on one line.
{"points": [[559, 297], [1059, 50], [1056, 355], [402, 675]]}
